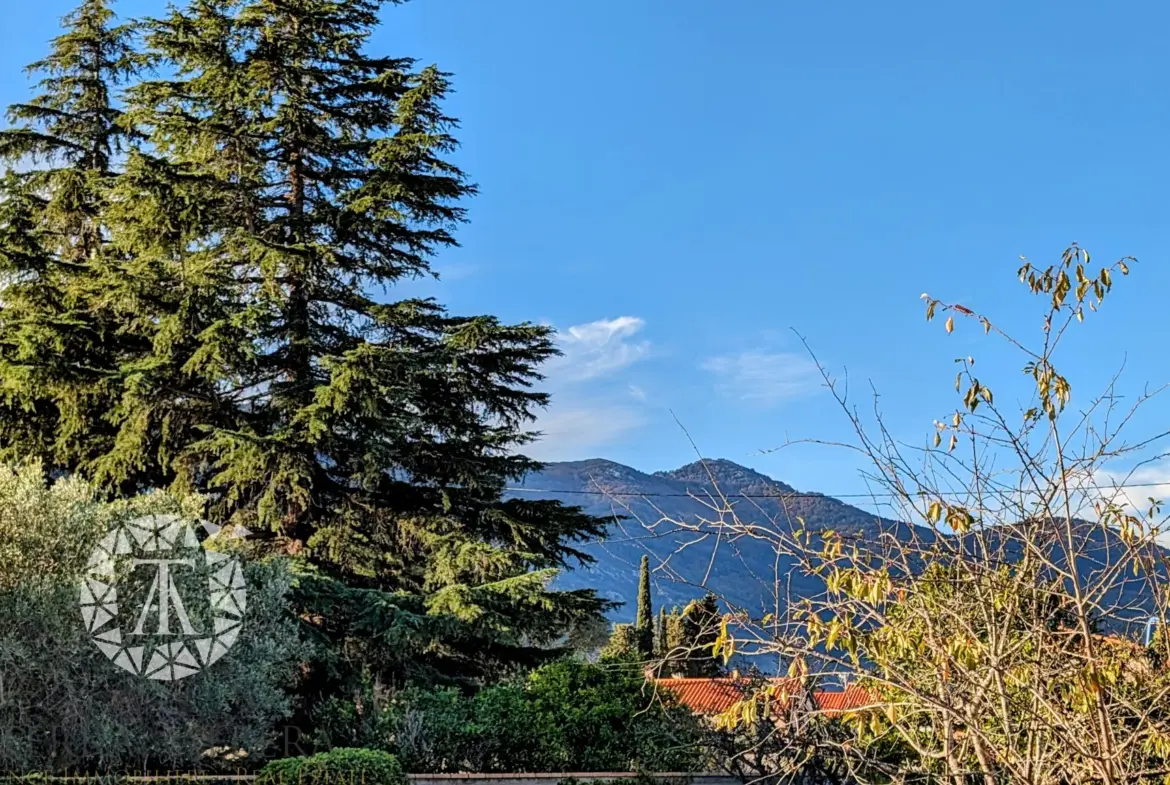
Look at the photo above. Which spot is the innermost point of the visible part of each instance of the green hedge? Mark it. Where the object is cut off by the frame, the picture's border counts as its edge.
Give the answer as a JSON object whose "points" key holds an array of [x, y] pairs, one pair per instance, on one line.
{"points": [[344, 766]]}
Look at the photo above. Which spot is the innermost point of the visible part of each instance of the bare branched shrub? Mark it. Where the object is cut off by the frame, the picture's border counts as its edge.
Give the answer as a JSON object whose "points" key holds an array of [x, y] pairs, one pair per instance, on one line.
{"points": [[994, 615]]}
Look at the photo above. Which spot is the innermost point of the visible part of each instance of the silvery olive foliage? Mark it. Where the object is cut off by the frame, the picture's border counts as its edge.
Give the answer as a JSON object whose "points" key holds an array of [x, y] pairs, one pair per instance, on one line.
{"points": [[65, 706]]}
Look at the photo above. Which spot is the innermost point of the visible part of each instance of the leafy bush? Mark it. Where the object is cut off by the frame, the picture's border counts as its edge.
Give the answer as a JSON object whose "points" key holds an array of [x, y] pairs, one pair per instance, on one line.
{"points": [[565, 716], [442, 730], [343, 766], [64, 706]]}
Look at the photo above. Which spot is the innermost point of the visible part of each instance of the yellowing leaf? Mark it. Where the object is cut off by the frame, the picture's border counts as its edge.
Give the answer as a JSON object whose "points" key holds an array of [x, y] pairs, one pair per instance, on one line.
{"points": [[950, 324]]}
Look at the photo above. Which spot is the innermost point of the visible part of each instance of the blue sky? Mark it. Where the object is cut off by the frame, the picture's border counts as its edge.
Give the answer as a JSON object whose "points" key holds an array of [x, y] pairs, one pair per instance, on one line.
{"points": [[676, 186]]}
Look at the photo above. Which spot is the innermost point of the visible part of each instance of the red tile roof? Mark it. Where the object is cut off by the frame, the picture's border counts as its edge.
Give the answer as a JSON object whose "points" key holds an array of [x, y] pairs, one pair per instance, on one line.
{"points": [[837, 701], [715, 696], [708, 696]]}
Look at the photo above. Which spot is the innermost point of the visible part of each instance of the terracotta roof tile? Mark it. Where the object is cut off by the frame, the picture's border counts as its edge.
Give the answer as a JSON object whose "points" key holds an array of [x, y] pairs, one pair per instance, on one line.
{"points": [[706, 696], [714, 696], [837, 701]]}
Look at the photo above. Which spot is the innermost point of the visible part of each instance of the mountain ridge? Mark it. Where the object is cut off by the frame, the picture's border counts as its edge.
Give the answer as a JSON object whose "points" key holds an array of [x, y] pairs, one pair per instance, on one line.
{"points": [[641, 504], [746, 572]]}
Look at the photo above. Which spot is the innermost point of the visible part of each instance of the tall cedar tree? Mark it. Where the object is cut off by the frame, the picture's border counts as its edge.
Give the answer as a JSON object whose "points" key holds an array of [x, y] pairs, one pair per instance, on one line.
{"points": [[286, 177], [60, 348]]}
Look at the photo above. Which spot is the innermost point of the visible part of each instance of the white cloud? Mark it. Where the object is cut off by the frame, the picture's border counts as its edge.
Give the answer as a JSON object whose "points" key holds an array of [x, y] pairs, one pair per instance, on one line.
{"points": [[1134, 489], [600, 348], [1131, 490], [577, 433], [457, 272], [591, 407], [763, 378]]}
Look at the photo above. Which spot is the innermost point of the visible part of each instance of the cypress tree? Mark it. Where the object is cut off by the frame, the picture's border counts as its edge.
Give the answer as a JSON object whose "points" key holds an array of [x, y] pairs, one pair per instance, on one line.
{"points": [[645, 615], [660, 642], [60, 347], [286, 177], [644, 621], [674, 638]]}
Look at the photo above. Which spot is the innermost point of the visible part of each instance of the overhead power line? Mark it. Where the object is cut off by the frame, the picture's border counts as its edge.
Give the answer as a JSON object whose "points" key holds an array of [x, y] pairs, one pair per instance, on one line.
{"points": [[778, 494]]}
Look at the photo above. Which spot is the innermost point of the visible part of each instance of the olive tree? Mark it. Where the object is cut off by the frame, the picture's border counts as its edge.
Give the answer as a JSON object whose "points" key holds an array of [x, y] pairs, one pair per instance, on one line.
{"points": [[64, 706]]}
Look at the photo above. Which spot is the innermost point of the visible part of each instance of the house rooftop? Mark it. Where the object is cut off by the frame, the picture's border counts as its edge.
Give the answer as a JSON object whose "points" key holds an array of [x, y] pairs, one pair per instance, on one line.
{"points": [[709, 696]]}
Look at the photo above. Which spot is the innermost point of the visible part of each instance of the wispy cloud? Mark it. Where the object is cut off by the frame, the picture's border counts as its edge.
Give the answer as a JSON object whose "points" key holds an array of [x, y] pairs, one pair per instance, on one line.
{"points": [[593, 406], [576, 433], [763, 378], [1134, 489], [457, 272], [600, 348]]}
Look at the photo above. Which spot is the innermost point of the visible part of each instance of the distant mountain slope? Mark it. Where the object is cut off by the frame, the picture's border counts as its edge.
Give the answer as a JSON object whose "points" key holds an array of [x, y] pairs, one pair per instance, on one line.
{"points": [[743, 571]]}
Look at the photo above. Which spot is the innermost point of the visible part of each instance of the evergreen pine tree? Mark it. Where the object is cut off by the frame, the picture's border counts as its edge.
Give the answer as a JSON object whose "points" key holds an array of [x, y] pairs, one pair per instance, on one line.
{"points": [[687, 636], [60, 347], [623, 643], [285, 178], [700, 629]]}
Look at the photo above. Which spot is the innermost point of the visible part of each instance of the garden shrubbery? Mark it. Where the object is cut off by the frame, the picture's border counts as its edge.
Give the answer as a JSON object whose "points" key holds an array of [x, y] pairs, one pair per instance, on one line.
{"points": [[64, 706], [566, 716], [343, 766]]}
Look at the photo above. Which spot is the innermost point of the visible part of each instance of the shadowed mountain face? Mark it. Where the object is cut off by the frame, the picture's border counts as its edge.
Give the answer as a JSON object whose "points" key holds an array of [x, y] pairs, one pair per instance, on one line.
{"points": [[746, 572]]}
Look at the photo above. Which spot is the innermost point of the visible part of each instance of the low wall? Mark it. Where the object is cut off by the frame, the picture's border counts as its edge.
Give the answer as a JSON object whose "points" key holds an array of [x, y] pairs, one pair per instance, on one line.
{"points": [[666, 778], [552, 778]]}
